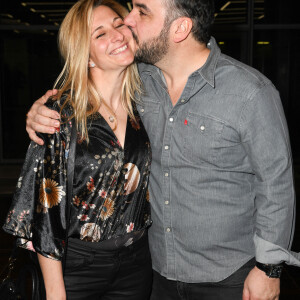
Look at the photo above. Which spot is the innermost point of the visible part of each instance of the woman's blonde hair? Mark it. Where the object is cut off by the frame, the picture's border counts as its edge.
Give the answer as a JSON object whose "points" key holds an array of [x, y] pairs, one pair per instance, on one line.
{"points": [[75, 80]]}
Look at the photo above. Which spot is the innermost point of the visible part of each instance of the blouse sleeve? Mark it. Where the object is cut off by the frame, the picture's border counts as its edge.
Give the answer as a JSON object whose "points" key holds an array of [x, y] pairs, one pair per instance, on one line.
{"points": [[38, 211]]}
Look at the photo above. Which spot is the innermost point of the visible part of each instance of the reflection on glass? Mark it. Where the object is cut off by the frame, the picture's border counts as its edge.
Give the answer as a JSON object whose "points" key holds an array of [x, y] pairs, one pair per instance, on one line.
{"points": [[276, 54], [30, 63], [230, 12], [233, 44], [275, 12]]}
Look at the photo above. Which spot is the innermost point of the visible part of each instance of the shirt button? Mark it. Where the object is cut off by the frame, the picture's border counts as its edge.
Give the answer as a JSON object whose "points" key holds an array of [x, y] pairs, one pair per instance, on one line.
{"points": [[167, 202], [182, 100], [202, 127], [166, 147], [142, 110], [166, 174], [171, 119], [168, 229]]}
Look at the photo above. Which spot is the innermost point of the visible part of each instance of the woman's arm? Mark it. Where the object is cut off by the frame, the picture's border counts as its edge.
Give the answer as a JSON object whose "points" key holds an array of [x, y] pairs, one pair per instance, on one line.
{"points": [[53, 278]]}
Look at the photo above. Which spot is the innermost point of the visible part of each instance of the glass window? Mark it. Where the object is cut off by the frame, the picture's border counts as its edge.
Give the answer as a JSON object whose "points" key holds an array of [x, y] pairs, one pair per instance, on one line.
{"points": [[275, 12], [230, 12], [234, 44], [29, 63]]}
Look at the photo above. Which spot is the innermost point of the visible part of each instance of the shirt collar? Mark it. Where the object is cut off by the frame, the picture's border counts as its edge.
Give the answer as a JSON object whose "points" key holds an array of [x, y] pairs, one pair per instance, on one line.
{"points": [[207, 71]]}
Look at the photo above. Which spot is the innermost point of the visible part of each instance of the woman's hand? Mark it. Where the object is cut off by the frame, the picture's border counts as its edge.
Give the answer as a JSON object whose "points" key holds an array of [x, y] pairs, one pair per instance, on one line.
{"points": [[41, 119]]}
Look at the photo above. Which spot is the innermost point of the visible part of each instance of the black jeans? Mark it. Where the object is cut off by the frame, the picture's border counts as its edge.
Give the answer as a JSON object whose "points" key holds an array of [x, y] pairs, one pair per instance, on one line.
{"points": [[230, 288], [94, 274]]}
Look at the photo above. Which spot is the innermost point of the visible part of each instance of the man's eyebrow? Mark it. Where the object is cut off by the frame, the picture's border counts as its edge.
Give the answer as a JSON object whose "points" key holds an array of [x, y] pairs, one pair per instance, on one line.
{"points": [[143, 6], [100, 27]]}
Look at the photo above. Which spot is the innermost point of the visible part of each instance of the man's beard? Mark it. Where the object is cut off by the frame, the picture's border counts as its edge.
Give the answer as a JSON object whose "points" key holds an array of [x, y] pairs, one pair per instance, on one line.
{"points": [[153, 50]]}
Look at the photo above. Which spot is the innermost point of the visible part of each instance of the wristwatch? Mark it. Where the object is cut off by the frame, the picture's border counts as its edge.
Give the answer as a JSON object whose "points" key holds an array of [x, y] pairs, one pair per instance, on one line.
{"points": [[272, 271]]}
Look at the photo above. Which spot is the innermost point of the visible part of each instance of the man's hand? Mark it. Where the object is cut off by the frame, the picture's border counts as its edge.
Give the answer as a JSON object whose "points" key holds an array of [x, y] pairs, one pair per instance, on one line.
{"points": [[258, 286], [41, 119]]}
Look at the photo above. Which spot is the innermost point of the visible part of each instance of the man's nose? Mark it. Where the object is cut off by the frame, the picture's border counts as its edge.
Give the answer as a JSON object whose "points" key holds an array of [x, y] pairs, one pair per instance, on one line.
{"points": [[129, 20]]}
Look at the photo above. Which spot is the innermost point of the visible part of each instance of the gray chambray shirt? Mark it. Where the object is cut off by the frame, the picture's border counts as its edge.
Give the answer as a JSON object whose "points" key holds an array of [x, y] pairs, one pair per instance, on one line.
{"points": [[221, 185]]}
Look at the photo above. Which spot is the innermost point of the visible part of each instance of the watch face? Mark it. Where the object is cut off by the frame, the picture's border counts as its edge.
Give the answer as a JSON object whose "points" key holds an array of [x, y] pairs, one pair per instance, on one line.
{"points": [[274, 272]]}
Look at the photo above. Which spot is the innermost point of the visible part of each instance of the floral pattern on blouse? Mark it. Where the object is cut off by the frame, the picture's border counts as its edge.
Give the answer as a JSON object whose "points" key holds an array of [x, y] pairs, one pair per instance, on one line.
{"points": [[110, 187]]}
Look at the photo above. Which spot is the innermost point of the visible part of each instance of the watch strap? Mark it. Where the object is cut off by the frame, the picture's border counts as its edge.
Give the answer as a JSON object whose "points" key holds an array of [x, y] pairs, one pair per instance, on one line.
{"points": [[272, 271]]}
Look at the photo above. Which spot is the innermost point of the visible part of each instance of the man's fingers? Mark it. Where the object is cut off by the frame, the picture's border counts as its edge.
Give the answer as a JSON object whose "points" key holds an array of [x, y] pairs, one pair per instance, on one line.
{"points": [[50, 93], [43, 111], [35, 138], [37, 127], [246, 294]]}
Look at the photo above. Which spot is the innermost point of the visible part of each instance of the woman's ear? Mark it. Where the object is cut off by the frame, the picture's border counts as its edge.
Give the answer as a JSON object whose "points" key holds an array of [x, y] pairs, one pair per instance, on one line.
{"points": [[91, 64], [182, 29]]}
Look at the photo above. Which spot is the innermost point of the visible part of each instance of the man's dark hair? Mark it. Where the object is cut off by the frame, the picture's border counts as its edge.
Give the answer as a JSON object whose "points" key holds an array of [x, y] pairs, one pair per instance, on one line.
{"points": [[200, 11]]}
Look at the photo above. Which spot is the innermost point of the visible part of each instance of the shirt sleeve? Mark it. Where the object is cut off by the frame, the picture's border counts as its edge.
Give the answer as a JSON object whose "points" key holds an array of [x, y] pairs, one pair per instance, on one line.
{"points": [[265, 138], [38, 211]]}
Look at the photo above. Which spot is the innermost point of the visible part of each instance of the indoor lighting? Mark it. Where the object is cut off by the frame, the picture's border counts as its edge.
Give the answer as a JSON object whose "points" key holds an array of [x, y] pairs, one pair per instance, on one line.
{"points": [[225, 5]]}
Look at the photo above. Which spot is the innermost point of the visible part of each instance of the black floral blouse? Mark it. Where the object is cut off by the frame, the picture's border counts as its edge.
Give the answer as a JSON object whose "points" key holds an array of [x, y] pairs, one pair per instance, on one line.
{"points": [[110, 195]]}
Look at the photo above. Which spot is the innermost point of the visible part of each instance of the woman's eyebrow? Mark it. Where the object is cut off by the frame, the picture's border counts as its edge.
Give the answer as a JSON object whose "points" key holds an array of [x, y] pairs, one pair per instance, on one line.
{"points": [[101, 26]]}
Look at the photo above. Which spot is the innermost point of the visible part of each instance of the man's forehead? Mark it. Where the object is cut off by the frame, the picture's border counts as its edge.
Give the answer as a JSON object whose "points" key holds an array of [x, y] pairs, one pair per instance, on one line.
{"points": [[148, 3]]}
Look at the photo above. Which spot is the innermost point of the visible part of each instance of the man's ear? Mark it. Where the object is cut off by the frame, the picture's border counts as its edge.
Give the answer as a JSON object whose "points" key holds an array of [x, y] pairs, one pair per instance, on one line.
{"points": [[182, 28]]}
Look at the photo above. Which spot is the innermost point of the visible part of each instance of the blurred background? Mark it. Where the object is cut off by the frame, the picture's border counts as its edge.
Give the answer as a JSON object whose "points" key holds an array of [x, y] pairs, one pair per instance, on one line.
{"points": [[262, 33]]}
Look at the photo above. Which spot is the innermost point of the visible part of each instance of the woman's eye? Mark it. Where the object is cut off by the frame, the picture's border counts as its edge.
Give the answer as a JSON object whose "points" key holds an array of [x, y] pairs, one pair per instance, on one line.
{"points": [[120, 25], [100, 35]]}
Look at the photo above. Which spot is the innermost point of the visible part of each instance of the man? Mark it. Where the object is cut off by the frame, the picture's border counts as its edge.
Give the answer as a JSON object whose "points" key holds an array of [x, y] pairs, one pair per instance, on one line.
{"points": [[221, 186]]}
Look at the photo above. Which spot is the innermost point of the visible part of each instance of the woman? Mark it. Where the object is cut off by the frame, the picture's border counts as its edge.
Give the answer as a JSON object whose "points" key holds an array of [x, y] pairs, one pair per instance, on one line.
{"points": [[103, 239]]}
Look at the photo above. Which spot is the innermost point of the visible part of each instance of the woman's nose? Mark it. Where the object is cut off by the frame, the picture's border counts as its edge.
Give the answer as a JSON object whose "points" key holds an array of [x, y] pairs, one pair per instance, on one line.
{"points": [[117, 36]]}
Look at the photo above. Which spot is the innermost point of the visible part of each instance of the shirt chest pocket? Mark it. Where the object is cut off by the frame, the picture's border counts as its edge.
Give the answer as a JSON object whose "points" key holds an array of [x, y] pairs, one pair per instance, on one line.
{"points": [[149, 112], [202, 138]]}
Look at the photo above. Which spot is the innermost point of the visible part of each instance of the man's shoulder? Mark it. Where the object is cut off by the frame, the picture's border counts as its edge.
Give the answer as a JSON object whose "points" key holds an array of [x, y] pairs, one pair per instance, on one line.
{"points": [[142, 67], [238, 68], [239, 77]]}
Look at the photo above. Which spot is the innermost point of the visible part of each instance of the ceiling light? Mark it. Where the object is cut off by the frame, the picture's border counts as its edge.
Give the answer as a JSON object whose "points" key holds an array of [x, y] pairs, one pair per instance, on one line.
{"points": [[32, 9]]}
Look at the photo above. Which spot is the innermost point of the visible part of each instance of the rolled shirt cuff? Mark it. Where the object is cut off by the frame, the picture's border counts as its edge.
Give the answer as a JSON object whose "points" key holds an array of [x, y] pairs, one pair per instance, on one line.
{"points": [[269, 253]]}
